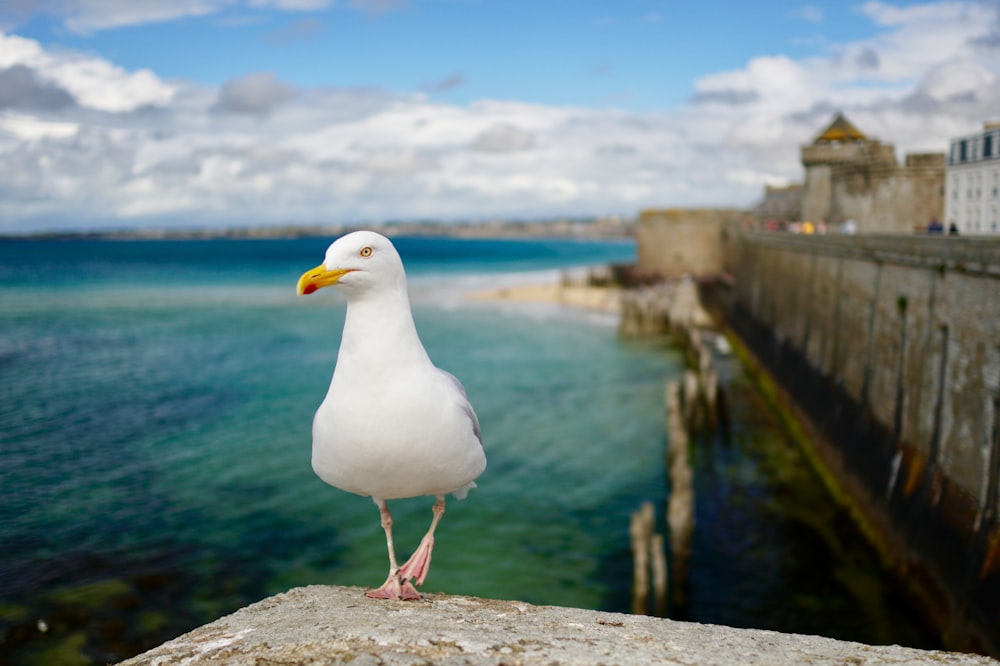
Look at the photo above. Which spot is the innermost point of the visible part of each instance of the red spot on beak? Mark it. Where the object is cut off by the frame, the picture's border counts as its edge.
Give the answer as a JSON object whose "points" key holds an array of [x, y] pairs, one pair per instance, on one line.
{"points": [[309, 288]]}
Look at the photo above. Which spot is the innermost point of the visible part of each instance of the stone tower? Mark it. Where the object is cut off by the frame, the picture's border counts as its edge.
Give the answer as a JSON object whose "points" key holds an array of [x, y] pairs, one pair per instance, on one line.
{"points": [[840, 143], [849, 176]]}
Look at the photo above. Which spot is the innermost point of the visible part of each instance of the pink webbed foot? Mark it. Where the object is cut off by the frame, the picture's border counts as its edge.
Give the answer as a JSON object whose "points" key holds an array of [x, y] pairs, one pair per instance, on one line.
{"points": [[395, 587], [419, 564]]}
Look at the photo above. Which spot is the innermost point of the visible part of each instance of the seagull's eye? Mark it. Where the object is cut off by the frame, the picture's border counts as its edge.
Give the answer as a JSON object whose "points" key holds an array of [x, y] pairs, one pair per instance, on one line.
{"points": [[366, 251]]}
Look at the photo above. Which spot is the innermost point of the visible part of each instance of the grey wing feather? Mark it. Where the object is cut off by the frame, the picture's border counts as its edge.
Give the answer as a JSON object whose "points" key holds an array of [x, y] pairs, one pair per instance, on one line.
{"points": [[466, 406]]}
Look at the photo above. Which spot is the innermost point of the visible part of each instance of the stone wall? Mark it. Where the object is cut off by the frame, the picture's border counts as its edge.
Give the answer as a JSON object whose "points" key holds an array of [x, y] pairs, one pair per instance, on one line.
{"points": [[818, 159], [780, 203], [339, 625], [886, 198], [863, 181], [891, 345], [682, 241]]}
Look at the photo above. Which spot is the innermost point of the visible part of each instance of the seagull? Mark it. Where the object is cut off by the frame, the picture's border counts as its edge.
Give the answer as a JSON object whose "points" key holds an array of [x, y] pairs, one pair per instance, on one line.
{"points": [[392, 424]]}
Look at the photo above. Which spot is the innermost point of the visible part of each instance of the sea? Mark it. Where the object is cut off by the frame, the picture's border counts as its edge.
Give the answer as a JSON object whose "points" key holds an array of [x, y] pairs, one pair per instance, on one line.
{"points": [[156, 399]]}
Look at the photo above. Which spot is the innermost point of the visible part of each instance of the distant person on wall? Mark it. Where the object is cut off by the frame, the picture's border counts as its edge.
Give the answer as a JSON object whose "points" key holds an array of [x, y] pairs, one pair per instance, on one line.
{"points": [[935, 227], [952, 229], [849, 227]]}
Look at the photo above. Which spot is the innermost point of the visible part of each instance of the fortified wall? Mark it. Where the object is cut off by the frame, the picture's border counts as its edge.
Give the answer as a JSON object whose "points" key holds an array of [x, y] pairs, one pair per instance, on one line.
{"points": [[890, 346], [849, 176], [671, 242], [879, 194]]}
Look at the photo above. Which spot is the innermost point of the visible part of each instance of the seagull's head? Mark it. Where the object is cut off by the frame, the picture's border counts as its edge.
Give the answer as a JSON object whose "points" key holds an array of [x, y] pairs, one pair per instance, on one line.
{"points": [[356, 263]]}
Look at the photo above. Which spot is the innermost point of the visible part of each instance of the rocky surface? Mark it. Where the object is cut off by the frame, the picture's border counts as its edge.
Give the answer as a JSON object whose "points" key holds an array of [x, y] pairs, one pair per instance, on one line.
{"points": [[334, 625]]}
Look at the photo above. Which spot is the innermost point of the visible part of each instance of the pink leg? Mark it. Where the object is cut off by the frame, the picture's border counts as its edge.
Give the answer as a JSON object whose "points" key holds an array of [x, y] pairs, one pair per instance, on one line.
{"points": [[420, 562], [395, 586]]}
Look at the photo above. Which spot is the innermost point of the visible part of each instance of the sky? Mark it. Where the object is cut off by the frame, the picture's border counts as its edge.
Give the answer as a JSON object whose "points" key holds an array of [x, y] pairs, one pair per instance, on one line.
{"points": [[201, 113]]}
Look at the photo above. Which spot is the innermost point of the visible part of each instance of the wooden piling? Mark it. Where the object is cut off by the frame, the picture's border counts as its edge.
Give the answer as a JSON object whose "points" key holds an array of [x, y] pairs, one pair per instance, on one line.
{"points": [[680, 504], [640, 530], [658, 560], [674, 309]]}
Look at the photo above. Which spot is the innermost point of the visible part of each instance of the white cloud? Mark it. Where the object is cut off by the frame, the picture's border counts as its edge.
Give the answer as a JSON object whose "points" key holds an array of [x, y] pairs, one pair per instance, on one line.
{"points": [[776, 81], [136, 149], [376, 6], [87, 16], [919, 37], [293, 5], [503, 138], [27, 128], [254, 94], [16, 50], [957, 78], [93, 82], [809, 13]]}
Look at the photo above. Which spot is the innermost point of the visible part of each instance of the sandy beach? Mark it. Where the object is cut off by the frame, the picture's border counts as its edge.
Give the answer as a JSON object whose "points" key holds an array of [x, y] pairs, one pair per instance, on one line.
{"points": [[601, 299]]}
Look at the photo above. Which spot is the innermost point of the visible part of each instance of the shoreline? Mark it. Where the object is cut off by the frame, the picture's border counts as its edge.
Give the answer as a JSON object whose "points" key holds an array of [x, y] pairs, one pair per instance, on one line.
{"points": [[577, 296]]}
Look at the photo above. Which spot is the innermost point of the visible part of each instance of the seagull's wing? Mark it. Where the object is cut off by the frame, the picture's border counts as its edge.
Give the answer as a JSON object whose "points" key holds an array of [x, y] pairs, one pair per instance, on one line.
{"points": [[464, 404]]}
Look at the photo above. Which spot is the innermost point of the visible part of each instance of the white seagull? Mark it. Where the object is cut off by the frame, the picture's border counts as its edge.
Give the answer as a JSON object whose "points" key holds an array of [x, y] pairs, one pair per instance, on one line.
{"points": [[392, 424]]}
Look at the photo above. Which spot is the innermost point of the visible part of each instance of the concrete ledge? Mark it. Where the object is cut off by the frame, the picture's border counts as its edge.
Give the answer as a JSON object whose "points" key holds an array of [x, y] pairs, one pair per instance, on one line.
{"points": [[333, 625]]}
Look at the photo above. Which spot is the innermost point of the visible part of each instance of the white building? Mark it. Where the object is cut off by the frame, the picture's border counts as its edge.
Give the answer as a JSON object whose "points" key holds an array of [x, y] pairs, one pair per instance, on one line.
{"points": [[972, 182]]}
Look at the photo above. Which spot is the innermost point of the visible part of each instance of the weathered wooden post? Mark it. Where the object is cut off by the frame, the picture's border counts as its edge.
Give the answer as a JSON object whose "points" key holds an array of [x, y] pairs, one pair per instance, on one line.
{"points": [[680, 504], [658, 559], [640, 528], [648, 555]]}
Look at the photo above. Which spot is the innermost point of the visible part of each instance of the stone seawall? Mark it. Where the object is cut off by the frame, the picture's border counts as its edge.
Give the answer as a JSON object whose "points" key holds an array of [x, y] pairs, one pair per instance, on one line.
{"points": [[339, 625], [673, 242], [891, 347]]}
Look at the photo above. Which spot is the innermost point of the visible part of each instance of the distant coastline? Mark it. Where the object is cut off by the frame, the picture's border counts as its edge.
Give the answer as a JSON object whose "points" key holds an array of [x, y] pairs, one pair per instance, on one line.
{"points": [[611, 227]]}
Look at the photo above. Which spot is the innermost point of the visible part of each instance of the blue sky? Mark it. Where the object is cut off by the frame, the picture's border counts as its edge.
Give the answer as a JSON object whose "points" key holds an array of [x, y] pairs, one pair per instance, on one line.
{"points": [[202, 112], [636, 54]]}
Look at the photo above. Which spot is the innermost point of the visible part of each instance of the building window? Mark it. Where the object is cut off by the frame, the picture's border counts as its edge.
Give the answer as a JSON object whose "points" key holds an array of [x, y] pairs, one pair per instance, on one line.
{"points": [[988, 145], [963, 147]]}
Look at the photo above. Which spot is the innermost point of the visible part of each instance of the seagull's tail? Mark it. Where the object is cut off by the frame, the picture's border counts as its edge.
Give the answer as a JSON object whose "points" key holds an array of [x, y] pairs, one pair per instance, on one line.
{"points": [[463, 492]]}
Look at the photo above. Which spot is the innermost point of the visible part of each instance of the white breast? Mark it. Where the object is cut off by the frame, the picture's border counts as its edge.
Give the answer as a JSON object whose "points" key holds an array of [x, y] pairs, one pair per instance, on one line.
{"points": [[405, 434]]}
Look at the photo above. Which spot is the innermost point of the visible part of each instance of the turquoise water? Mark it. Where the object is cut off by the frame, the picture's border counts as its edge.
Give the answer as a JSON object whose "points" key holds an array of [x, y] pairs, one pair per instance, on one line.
{"points": [[155, 414]]}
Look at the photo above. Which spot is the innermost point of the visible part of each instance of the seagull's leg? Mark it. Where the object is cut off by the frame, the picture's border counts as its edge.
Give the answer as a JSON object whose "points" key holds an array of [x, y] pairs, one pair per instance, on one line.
{"points": [[420, 562], [395, 586]]}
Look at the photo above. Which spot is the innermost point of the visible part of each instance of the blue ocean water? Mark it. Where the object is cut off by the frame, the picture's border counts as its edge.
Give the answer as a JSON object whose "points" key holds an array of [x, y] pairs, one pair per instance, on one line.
{"points": [[155, 409]]}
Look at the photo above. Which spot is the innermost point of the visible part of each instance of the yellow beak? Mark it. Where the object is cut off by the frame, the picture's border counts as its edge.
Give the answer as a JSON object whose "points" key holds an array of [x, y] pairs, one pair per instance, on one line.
{"points": [[319, 277]]}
